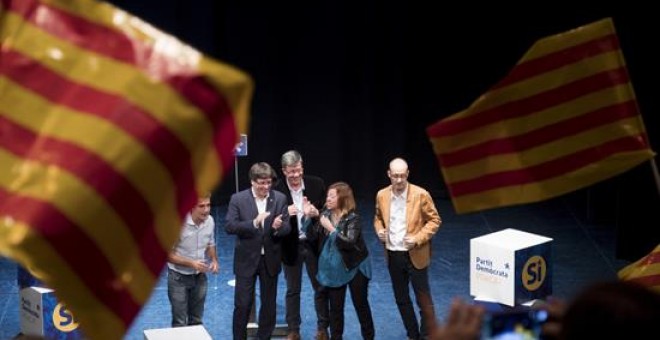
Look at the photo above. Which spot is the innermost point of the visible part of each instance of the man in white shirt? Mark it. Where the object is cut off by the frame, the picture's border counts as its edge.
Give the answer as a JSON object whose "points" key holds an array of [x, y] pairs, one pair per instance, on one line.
{"points": [[191, 258], [405, 221]]}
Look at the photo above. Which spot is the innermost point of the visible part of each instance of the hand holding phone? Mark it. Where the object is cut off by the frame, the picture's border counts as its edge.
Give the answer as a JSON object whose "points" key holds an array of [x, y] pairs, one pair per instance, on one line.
{"points": [[464, 322], [520, 324]]}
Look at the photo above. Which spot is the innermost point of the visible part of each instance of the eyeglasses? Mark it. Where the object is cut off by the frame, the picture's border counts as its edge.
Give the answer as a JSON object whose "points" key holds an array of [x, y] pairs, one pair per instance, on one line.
{"points": [[263, 182], [293, 171]]}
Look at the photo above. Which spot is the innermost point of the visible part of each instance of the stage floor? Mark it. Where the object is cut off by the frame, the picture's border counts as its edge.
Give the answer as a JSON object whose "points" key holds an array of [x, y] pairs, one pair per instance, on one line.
{"points": [[582, 253]]}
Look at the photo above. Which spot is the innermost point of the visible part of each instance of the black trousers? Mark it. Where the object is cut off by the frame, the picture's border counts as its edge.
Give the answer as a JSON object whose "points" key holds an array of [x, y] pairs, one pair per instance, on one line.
{"points": [[244, 298], [403, 273], [359, 294], [293, 275]]}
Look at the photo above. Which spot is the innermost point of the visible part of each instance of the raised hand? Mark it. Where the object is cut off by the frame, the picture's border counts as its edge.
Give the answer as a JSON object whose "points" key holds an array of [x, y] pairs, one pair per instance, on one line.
{"points": [[293, 210], [259, 220], [309, 209]]}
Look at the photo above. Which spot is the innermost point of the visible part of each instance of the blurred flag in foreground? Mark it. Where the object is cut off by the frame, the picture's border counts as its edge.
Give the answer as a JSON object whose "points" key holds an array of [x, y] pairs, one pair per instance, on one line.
{"points": [[109, 129], [564, 118], [646, 271]]}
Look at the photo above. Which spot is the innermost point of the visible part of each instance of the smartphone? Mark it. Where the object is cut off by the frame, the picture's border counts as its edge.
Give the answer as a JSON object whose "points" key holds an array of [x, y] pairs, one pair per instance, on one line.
{"points": [[514, 325]]}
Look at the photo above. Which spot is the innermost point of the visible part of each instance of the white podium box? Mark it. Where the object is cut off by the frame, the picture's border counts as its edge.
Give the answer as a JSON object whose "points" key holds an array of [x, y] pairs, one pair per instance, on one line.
{"points": [[197, 332], [510, 267], [41, 315]]}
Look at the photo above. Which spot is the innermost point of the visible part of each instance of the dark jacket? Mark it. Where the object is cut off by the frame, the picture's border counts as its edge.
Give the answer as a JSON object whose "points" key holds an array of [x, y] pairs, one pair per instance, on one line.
{"points": [[349, 240], [315, 193], [247, 251]]}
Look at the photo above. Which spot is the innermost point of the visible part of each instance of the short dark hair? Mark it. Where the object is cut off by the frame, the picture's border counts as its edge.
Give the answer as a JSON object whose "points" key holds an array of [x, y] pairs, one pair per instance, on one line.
{"points": [[261, 170]]}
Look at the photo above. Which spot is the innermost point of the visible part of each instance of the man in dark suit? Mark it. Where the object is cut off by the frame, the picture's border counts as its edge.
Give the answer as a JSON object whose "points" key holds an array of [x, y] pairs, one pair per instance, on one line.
{"points": [[296, 250], [258, 217]]}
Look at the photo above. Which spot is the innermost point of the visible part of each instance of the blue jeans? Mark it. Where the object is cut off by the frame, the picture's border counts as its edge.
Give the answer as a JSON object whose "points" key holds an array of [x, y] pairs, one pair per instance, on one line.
{"points": [[187, 294]]}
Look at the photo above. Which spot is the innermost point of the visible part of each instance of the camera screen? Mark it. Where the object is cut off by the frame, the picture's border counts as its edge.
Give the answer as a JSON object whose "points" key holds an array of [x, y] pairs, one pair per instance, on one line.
{"points": [[517, 325]]}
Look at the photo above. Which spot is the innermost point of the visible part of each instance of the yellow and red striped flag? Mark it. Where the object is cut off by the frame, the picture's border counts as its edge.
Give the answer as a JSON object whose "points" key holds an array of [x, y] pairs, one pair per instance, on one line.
{"points": [[645, 271], [564, 118], [109, 129]]}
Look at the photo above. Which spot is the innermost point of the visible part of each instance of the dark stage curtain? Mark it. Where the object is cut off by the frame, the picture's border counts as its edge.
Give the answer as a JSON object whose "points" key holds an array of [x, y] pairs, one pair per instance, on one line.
{"points": [[361, 80]]}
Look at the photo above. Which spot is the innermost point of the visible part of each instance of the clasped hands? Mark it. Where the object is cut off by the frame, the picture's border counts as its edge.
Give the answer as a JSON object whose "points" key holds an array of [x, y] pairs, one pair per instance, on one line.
{"points": [[408, 241], [259, 220], [308, 209], [206, 266]]}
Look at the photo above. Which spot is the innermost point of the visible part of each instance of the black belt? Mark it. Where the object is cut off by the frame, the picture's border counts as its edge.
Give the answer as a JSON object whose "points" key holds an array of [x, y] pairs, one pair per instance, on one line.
{"points": [[182, 274]]}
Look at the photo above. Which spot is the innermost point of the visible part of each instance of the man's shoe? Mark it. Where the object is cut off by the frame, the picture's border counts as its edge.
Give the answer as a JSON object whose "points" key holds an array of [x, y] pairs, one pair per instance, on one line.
{"points": [[293, 336], [322, 334]]}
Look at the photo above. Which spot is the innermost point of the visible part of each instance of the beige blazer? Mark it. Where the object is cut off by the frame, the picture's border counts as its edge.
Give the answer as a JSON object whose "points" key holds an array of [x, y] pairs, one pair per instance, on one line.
{"points": [[422, 219]]}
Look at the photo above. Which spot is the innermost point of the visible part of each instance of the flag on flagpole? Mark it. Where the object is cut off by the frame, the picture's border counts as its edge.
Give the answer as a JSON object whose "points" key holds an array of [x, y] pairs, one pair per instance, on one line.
{"points": [[645, 271], [109, 129], [564, 118]]}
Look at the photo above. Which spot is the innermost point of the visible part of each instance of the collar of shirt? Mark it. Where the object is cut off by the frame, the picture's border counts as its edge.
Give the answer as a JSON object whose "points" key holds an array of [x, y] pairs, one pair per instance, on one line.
{"points": [[300, 190], [189, 221], [257, 198], [403, 195], [297, 198]]}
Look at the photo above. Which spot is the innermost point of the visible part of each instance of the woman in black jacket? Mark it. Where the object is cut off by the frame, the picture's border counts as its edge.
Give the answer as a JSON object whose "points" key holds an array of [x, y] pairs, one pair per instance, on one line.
{"points": [[344, 259]]}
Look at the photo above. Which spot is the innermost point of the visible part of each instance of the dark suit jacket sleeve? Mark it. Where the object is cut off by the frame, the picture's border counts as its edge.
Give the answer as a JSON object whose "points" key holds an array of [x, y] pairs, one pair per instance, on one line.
{"points": [[237, 221], [280, 207]]}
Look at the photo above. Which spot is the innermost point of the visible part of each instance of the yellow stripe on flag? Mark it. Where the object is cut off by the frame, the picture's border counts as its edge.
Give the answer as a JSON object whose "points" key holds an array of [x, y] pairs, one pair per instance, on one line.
{"points": [[546, 189], [102, 226], [105, 117], [108, 142], [225, 78], [560, 42], [645, 271], [30, 249], [564, 118], [507, 128], [124, 80], [543, 153]]}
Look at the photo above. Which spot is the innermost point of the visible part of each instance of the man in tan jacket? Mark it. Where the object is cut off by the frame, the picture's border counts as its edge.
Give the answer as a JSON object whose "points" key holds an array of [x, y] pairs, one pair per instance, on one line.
{"points": [[406, 219]]}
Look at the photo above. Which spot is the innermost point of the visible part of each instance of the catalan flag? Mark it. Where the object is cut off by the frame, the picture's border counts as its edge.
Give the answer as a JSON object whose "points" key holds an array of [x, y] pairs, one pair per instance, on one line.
{"points": [[564, 118], [645, 271], [109, 129]]}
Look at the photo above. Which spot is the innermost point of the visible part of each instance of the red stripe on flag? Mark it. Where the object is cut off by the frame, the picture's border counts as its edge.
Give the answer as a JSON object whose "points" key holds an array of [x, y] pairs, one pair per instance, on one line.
{"points": [[530, 105], [63, 24], [547, 170], [117, 191], [113, 44], [198, 90], [540, 136], [648, 280], [157, 138], [558, 59], [649, 259], [76, 248]]}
